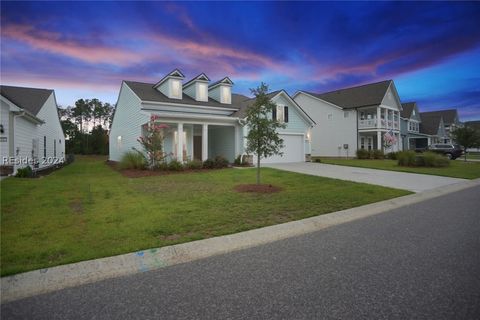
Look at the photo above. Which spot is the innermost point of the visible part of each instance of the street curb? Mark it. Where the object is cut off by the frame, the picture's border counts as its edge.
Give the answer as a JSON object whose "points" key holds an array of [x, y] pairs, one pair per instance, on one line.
{"points": [[51, 279]]}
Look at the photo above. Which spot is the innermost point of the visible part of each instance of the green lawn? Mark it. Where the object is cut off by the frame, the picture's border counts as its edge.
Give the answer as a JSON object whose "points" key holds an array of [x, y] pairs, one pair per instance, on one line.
{"points": [[457, 169], [87, 210]]}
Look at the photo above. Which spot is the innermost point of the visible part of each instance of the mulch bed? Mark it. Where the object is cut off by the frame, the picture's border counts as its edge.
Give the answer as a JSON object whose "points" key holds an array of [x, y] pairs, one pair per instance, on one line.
{"points": [[258, 188], [135, 173]]}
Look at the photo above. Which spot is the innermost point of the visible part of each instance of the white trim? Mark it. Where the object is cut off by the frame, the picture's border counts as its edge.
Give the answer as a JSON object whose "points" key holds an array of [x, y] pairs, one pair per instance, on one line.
{"points": [[186, 105], [189, 116], [305, 115], [316, 98], [292, 133]]}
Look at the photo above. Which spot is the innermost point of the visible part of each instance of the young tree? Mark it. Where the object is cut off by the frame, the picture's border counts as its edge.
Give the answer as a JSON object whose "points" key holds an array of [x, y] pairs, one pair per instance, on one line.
{"points": [[467, 137], [262, 139], [152, 142]]}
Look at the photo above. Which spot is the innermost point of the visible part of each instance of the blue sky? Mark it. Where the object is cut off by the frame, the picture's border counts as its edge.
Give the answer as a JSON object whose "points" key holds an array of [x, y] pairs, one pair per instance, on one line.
{"points": [[85, 49]]}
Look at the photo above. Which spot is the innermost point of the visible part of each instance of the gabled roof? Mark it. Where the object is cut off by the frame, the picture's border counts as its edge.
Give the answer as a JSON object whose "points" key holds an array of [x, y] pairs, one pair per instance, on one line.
{"points": [[201, 77], [225, 80], [408, 107], [430, 123], [249, 101], [175, 73], [29, 99], [146, 92], [448, 115], [359, 96]]}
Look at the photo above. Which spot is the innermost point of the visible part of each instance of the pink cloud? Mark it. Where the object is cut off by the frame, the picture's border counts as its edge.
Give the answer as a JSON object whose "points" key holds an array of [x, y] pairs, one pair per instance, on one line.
{"points": [[54, 42]]}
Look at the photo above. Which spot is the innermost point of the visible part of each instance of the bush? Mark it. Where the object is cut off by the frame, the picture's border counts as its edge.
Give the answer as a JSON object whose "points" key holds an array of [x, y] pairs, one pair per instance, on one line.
{"points": [[209, 164], [133, 160], [220, 162], [194, 164], [392, 155], [430, 159], [317, 160], [406, 158], [26, 172], [363, 154], [377, 154], [175, 165], [69, 158], [238, 160]]}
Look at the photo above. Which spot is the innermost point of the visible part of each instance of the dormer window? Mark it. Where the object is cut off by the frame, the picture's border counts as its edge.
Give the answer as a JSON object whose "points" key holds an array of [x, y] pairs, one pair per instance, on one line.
{"points": [[176, 91], [226, 95], [202, 92]]}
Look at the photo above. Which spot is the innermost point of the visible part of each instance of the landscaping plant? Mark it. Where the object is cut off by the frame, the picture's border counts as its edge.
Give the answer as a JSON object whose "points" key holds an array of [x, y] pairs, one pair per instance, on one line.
{"points": [[152, 142], [133, 160], [262, 139]]}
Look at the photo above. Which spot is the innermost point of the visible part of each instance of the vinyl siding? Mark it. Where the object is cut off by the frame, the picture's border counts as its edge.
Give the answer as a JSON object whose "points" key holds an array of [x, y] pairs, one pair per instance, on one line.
{"points": [[296, 123], [330, 133], [25, 131], [221, 142], [5, 121], [52, 129], [127, 123]]}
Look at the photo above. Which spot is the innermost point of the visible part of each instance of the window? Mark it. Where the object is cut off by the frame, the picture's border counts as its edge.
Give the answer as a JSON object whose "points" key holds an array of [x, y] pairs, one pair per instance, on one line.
{"points": [[362, 143], [202, 94], [413, 112], [226, 96], [54, 147], [280, 114], [44, 146], [330, 116], [345, 114], [176, 91], [274, 112], [285, 114]]}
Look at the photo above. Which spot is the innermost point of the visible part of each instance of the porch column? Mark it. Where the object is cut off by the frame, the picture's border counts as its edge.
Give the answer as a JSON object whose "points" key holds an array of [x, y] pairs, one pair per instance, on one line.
{"points": [[379, 140], [180, 142], [237, 144], [379, 112], [204, 142]]}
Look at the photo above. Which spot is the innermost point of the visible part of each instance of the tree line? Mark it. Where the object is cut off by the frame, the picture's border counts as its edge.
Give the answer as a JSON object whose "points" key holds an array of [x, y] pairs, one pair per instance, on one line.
{"points": [[86, 126]]}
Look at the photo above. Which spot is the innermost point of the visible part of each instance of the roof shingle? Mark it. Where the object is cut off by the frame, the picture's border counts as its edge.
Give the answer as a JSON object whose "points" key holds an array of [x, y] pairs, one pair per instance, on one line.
{"points": [[30, 99]]}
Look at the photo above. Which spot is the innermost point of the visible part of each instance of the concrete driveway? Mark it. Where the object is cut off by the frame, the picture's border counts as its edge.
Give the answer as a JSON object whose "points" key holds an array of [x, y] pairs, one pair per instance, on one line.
{"points": [[400, 180]]}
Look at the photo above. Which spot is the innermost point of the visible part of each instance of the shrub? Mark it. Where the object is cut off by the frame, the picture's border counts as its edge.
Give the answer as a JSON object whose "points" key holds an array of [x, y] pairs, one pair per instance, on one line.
{"points": [[406, 158], [392, 155], [363, 154], [209, 164], [377, 154], [317, 160], [133, 160], [194, 164], [175, 165], [69, 158], [26, 172], [430, 159], [220, 162], [238, 160]]}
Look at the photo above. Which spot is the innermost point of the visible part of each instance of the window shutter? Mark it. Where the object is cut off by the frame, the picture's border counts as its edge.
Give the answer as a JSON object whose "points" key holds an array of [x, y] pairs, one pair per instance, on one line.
{"points": [[274, 113], [285, 114]]}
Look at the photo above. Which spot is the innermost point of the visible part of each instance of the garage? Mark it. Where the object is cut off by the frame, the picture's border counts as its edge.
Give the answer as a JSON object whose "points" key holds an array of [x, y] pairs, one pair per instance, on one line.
{"points": [[293, 150]]}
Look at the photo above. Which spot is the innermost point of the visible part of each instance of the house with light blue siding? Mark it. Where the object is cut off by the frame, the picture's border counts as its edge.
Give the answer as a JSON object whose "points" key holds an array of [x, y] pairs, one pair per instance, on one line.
{"points": [[204, 119]]}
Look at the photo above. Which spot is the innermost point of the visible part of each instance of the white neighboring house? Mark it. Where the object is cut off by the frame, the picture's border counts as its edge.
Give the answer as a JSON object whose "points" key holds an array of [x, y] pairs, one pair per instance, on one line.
{"points": [[353, 118], [207, 116], [31, 133]]}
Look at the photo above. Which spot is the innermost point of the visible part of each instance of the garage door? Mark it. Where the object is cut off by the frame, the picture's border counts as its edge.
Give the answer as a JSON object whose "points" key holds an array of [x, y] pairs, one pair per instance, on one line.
{"points": [[292, 150]]}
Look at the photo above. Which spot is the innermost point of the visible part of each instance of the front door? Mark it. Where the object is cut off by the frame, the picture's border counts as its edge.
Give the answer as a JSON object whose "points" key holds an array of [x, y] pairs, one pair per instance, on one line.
{"points": [[370, 142], [197, 147]]}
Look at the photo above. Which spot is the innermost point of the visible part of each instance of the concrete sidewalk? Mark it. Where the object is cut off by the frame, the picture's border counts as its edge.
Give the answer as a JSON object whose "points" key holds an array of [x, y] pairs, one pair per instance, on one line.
{"points": [[393, 179], [51, 279]]}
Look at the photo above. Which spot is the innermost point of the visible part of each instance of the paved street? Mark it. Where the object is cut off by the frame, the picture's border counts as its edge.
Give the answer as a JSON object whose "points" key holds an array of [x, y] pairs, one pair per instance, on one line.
{"points": [[418, 262], [393, 179]]}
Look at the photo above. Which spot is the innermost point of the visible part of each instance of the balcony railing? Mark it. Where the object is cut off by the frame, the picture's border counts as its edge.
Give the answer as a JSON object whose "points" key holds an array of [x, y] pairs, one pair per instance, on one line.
{"points": [[372, 123], [369, 123]]}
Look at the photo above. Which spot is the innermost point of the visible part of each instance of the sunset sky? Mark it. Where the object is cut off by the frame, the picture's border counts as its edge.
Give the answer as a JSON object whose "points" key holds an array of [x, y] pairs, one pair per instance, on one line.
{"points": [[84, 50]]}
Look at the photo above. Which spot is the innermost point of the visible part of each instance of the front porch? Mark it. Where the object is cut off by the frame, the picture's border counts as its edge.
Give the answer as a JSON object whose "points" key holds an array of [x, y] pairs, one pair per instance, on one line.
{"points": [[198, 141], [375, 140]]}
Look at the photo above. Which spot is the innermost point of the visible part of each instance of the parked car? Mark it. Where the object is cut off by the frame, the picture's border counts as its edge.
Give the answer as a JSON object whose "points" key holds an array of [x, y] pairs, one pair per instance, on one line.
{"points": [[452, 151]]}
